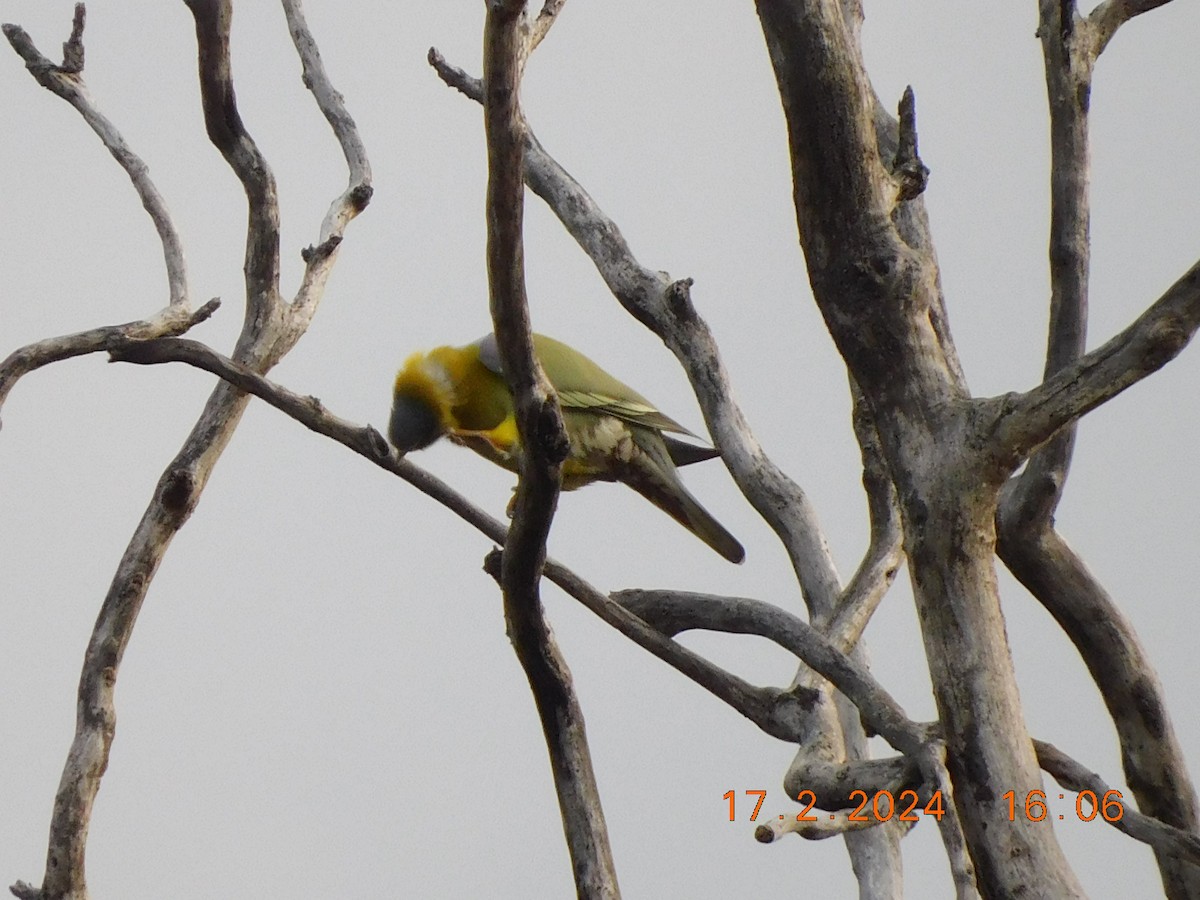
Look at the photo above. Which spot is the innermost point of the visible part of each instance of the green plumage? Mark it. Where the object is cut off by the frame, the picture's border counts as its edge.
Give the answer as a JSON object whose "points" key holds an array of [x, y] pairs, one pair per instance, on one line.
{"points": [[615, 433]]}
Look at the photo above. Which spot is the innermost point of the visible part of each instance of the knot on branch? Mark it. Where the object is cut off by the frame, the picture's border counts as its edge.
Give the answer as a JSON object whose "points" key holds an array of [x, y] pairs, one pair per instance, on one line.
{"points": [[323, 250], [679, 300], [493, 564], [378, 443], [360, 196], [807, 697], [1164, 341], [178, 492], [551, 433]]}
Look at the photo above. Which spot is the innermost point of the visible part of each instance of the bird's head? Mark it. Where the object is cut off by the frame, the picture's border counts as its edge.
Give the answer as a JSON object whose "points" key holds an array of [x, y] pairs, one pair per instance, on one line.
{"points": [[420, 401]]}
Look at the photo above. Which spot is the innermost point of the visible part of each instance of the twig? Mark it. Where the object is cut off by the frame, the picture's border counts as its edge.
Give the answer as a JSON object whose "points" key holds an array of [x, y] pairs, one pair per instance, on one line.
{"points": [[319, 260], [66, 82], [1076, 777], [1155, 338], [168, 322], [834, 824], [73, 54], [1110, 15], [911, 174], [540, 27]]}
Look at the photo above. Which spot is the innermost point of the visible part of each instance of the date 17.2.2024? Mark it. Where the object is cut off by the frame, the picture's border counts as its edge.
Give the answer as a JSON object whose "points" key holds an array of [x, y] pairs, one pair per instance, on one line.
{"points": [[878, 808]]}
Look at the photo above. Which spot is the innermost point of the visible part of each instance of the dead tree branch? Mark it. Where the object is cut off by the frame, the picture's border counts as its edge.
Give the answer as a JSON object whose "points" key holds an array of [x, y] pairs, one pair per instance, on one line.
{"points": [[262, 342], [647, 293], [1027, 540], [1155, 338], [1176, 843], [776, 712], [665, 307], [875, 279], [544, 447], [168, 322], [66, 81], [1110, 15]]}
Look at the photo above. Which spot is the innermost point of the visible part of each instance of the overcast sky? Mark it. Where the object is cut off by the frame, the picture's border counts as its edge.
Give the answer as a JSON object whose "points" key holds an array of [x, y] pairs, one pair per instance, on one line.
{"points": [[319, 698]]}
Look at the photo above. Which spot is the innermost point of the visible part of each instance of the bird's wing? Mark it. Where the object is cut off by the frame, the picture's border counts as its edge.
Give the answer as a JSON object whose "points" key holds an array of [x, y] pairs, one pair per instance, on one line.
{"points": [[582, 384]]}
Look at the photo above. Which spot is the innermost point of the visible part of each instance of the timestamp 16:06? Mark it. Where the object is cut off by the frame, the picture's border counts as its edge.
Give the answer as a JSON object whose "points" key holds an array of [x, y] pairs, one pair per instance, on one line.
{"points": [[1110, 807], [883, 806]]}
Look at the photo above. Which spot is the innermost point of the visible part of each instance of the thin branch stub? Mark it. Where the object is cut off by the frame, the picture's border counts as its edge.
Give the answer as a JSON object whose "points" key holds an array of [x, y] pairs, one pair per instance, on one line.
{"points": [[72, 63], [911, 174]]}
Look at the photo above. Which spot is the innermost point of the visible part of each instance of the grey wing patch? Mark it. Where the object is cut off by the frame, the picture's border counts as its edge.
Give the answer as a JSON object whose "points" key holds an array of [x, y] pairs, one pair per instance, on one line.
{"points": [[489, 353]]}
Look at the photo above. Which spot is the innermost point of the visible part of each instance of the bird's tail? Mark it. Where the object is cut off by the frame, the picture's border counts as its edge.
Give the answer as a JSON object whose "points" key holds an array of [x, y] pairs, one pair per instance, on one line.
{"points": [[655, 479]]}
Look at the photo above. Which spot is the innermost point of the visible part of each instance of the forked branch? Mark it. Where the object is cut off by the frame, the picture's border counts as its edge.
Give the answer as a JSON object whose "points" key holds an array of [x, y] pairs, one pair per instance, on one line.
{"points": [[543, 448], [262, 342]]}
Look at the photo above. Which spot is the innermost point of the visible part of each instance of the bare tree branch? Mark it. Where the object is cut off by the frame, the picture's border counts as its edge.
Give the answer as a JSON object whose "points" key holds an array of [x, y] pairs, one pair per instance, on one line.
{"points": [[544, 447], [911, 174], [167, 322], [1073, 384], [1110, 15], [877, 571], [674, 611], [311, 413], [1154, 339], [1068, 87], [262, 342], [835, 824], [1164, 838], [540, 26], [1027, 542], [539, 421], [1153, 760], [651, 296], [228, 134], [66, 82], [319, 260]]}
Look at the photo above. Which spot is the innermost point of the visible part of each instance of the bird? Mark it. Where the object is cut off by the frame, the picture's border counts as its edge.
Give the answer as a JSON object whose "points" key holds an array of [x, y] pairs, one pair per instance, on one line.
{"points": [[615, 433]]}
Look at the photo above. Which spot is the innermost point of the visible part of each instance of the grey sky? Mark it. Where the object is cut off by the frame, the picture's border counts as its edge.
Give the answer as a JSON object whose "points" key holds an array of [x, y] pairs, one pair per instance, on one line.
{"points": [[319, 699]]}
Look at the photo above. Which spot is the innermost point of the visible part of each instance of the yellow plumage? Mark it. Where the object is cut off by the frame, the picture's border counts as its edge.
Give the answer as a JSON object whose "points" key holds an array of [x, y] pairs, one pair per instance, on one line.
{"points": [[615, 433]]}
